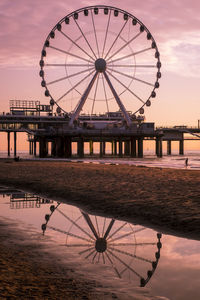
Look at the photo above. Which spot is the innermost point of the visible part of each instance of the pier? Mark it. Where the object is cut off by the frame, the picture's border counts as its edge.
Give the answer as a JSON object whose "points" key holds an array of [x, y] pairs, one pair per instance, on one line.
{"points": [[53, 136]]}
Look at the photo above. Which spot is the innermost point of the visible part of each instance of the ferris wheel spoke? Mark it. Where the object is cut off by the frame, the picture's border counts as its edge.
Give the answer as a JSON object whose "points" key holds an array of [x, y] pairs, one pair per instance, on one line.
{"points": [[90, 224], [73, 42], [103, 258], [132, 244], [132, 54], [74, 223], [77, 245], [126, 265], [121, 48], [94, 256], [109, 229], [99, 257], [65, 94], [131, 255], [122, 236], [132, 77], [69, 233], [126, 87], [95, 93], [82, 100], [95, 34], [69, 53], [86, 250], [112, 264], [116, 39], [104, 89], [120, 104], [104, 223], [132, 66], [69, 76], [85, 38], [97, 225], [117, 230], [68, 65], [105, 39], [90, 254]]}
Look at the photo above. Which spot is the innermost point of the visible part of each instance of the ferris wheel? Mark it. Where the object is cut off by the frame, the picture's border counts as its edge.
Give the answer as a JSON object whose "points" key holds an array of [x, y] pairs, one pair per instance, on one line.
{"points": [[100, 59], [131, 253]]}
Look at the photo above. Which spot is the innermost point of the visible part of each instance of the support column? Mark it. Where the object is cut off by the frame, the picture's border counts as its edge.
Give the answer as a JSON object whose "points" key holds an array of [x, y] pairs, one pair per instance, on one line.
{"points": [[169, 147], [112, 147], [15, 143], [68, 147], [104, 148], [181, 147], [133, 147], [34, 147], [115, 147], [140, 147], [159, 147], [42, 147], [60, 146], [101, 149], [8, 138], [29, 147], [127, 148], [81, 148], [53, 148], [91, 148], [120, 148]]}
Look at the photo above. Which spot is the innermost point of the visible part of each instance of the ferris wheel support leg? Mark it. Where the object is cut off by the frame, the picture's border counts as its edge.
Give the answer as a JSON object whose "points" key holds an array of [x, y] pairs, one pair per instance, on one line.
{"points": [[121, 106], [82, 100]]}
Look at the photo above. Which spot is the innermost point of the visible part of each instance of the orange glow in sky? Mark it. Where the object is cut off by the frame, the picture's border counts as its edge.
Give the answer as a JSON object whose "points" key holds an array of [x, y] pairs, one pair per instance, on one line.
{"points": [[174, 25]]}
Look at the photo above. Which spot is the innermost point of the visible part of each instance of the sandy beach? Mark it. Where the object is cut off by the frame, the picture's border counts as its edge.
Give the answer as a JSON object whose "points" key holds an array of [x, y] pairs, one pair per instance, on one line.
{"points": [[165, 199]]}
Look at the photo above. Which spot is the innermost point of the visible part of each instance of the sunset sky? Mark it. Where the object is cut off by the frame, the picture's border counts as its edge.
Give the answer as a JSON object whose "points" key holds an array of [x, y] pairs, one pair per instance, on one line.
{"points": [[175, 26]]}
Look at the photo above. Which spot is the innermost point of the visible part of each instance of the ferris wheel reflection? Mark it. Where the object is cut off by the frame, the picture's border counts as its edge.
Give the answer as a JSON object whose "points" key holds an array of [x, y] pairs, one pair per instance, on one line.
{"points": [[132, 251]]}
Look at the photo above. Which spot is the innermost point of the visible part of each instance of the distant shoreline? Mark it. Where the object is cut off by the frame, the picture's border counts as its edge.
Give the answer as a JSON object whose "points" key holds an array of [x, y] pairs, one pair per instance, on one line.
{"points": [[165, 199]]}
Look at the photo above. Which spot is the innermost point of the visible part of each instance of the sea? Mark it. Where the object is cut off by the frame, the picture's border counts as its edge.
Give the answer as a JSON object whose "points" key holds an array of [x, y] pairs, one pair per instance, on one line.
{"points": [[175, 161]]}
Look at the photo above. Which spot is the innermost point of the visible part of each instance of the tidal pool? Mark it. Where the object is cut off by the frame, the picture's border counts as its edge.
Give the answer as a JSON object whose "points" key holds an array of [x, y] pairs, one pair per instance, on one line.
{"points": [[129, 255]]}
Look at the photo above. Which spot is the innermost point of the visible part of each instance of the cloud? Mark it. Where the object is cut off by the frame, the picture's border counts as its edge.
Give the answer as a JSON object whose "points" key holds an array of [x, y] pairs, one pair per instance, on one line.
{"points": [[174, 24]]}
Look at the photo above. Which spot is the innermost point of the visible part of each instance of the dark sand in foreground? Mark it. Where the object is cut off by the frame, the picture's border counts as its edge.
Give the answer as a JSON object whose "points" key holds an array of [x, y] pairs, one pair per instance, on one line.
{"points": [[165, 199]]}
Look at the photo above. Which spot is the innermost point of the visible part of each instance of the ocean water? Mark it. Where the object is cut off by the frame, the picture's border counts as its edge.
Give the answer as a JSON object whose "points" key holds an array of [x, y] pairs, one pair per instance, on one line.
{"points": [[150, 160]]}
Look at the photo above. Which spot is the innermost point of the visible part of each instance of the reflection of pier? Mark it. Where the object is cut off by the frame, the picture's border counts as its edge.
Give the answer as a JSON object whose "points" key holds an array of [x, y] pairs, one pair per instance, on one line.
{"points": [[118, 244], [19, 200]]}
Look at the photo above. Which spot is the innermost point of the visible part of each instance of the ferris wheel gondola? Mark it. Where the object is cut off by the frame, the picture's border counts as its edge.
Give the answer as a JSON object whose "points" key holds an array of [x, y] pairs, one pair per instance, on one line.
{"points": [[100, 59]]}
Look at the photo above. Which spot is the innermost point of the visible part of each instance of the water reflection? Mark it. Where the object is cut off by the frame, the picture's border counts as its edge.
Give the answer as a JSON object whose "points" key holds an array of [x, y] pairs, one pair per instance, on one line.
{"points": [[20, 200], [120, 245]]}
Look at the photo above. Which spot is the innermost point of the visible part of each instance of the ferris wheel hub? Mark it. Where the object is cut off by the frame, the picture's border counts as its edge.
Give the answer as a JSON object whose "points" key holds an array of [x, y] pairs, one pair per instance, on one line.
{"points": [[101, 245], [100, 65]]}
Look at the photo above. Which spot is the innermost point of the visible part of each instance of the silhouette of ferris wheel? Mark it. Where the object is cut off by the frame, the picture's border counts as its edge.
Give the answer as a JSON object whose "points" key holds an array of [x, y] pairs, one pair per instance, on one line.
{"points": [[100, 59], [118, 244]]}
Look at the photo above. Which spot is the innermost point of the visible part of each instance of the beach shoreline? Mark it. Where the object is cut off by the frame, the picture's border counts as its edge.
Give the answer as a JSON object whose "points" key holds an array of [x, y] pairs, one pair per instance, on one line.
{"points": [[167, 200]]}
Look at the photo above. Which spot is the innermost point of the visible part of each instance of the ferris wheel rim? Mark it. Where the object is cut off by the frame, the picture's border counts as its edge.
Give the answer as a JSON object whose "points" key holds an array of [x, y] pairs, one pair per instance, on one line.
{"points": [[110, 8]]}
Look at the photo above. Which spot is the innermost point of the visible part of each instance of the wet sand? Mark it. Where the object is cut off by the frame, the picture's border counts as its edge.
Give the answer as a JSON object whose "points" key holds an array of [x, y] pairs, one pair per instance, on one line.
{"points": [[29, 270], [165, 199]]}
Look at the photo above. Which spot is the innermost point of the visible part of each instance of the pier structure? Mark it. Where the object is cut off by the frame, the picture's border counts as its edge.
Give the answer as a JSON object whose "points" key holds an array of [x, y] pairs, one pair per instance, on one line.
{"points": [[52, 136]]}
